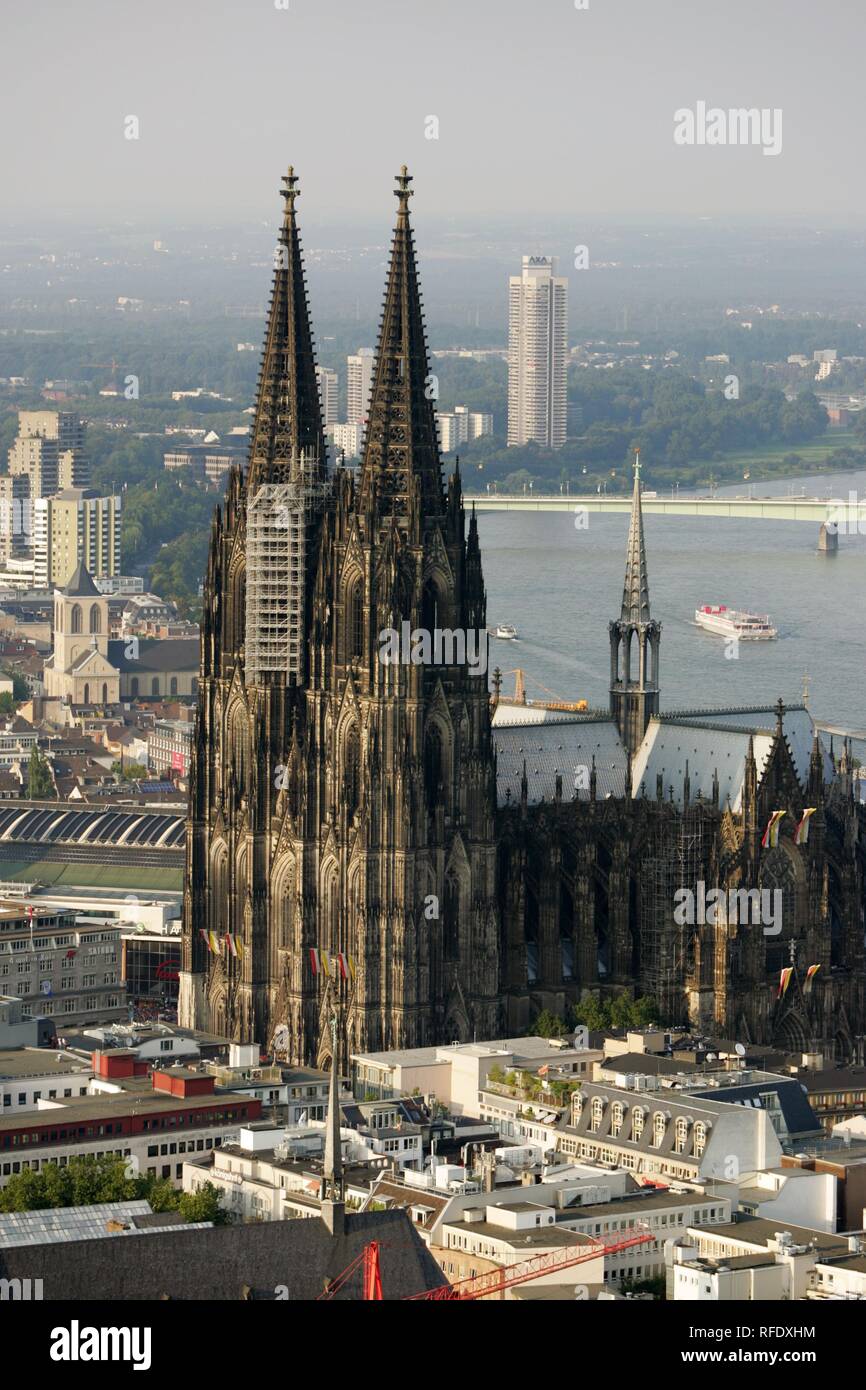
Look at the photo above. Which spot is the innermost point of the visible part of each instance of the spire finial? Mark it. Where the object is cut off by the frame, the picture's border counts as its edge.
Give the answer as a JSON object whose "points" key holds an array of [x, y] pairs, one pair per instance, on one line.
{"points": [[289, 191], [403, 192], [637, 463]]}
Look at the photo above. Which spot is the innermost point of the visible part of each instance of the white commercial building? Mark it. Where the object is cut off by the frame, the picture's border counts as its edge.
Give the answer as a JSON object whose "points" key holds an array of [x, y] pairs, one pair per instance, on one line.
{"points": [[537, 354], [359, 383], [329, 387], [346, 439]]}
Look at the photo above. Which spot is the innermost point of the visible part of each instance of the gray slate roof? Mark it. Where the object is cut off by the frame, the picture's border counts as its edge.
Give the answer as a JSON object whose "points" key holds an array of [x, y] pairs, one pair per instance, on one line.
{"points": [[217, 1263], [156, 654], [561, 747]]}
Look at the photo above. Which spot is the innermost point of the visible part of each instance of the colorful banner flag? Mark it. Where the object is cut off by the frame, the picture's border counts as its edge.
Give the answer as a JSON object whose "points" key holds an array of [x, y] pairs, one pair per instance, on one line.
{"points": [[235, 946], [770, 837], [343, 966], [213, 943], [801, 834], [314, 960], [325, 963], [785, 980], [810, 976]]}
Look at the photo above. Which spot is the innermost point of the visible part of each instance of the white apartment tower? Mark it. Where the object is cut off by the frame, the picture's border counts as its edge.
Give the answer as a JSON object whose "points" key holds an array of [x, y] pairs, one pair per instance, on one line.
{"points": [[360, 378], [537, 354]]}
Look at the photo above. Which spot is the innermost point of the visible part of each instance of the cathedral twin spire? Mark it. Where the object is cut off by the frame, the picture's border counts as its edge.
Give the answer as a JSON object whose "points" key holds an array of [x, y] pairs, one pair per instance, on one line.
{"points": [[288, 418], [401, 467], [401, 451]]}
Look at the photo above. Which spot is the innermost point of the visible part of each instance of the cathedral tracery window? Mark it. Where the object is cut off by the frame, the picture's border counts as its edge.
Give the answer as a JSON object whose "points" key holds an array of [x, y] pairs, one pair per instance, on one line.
{"points": [[779, 877], [566, 932], [95, 618], [352, 772], [451, 917], [75, 622], [530, 935], [355, 620], [433, 777]]}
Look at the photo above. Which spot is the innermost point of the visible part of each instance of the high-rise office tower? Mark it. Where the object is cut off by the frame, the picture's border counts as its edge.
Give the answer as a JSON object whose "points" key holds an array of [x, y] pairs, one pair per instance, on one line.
{"points": [[537, 354], [328, 394], [360, 368]]}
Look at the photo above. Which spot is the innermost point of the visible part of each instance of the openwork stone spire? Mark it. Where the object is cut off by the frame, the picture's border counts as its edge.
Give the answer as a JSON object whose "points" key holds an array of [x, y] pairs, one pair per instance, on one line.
{"points": [[401, 465], [634, 640], [288, 419], [635, 594]]}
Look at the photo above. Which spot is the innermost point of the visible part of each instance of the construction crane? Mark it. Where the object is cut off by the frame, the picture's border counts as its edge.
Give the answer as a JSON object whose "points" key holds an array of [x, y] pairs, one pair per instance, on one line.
{"points": [[483, 1285], [519, 696], [368, 1263]]}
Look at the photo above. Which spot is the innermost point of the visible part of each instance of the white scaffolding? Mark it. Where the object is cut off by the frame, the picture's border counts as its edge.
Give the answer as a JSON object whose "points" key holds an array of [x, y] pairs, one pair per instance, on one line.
{"points": [[280, 522]]}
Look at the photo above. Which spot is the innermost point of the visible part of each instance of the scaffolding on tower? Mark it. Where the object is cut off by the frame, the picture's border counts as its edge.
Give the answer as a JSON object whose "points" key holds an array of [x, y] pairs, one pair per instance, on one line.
{"points": [[675, 860], [281, 524]]}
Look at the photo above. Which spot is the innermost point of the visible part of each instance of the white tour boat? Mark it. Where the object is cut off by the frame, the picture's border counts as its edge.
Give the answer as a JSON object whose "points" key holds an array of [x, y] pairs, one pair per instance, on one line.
{"points": [[732, 622]]}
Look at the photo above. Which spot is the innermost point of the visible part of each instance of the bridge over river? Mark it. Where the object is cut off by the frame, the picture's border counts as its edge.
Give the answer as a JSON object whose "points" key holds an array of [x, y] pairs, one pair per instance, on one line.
{"points": [[834, 516]]}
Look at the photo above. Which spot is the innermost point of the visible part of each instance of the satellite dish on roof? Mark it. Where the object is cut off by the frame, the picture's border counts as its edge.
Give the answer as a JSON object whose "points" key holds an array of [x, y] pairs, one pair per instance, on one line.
{"points": [[739, 1049]]}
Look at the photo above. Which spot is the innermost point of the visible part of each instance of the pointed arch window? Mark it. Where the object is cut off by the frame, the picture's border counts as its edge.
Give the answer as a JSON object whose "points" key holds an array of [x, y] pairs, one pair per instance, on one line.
{"points": [[355, 620], [431, 607], [433, 778], [352, 772], [566, 932], [75, 622], [104, 693], [451, 917], [86, 693], [95, 618], [530, 933]]}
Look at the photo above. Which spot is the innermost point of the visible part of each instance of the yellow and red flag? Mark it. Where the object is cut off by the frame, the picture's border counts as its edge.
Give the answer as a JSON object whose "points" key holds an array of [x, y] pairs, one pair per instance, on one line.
{"points": [[770, 837], [801, 834]]}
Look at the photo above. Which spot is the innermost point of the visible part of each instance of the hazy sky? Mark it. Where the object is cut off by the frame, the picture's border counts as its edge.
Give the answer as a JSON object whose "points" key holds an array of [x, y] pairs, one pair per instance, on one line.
{"points": [[540, 106]]}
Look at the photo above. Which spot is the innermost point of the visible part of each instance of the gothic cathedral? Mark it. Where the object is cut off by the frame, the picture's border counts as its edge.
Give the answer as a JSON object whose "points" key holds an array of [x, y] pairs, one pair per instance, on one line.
{"points": [[390, 837]]}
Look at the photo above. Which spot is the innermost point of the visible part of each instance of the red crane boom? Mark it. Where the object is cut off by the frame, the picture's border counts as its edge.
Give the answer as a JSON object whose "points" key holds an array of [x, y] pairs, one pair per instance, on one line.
{"points": [[509, 1275]]}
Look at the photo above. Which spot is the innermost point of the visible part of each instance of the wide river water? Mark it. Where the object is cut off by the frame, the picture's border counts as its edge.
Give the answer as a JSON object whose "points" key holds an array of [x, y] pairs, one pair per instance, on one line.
{"points": [[560, 586]]}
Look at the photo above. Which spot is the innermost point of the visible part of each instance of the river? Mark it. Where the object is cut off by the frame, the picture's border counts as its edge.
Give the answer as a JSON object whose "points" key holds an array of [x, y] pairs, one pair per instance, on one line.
{"points": [[560, 586]]}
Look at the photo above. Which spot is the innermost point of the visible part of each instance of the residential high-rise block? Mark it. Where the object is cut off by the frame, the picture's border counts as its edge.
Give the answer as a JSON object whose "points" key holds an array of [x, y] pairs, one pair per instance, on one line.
{"points": [[329, 386], [49, 450], [360, 379], [74, 527], [537, 354]]}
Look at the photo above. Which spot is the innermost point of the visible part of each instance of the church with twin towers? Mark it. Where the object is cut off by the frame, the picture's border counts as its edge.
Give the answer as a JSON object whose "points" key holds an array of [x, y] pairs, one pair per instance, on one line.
{"points": [[395, 844]]}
